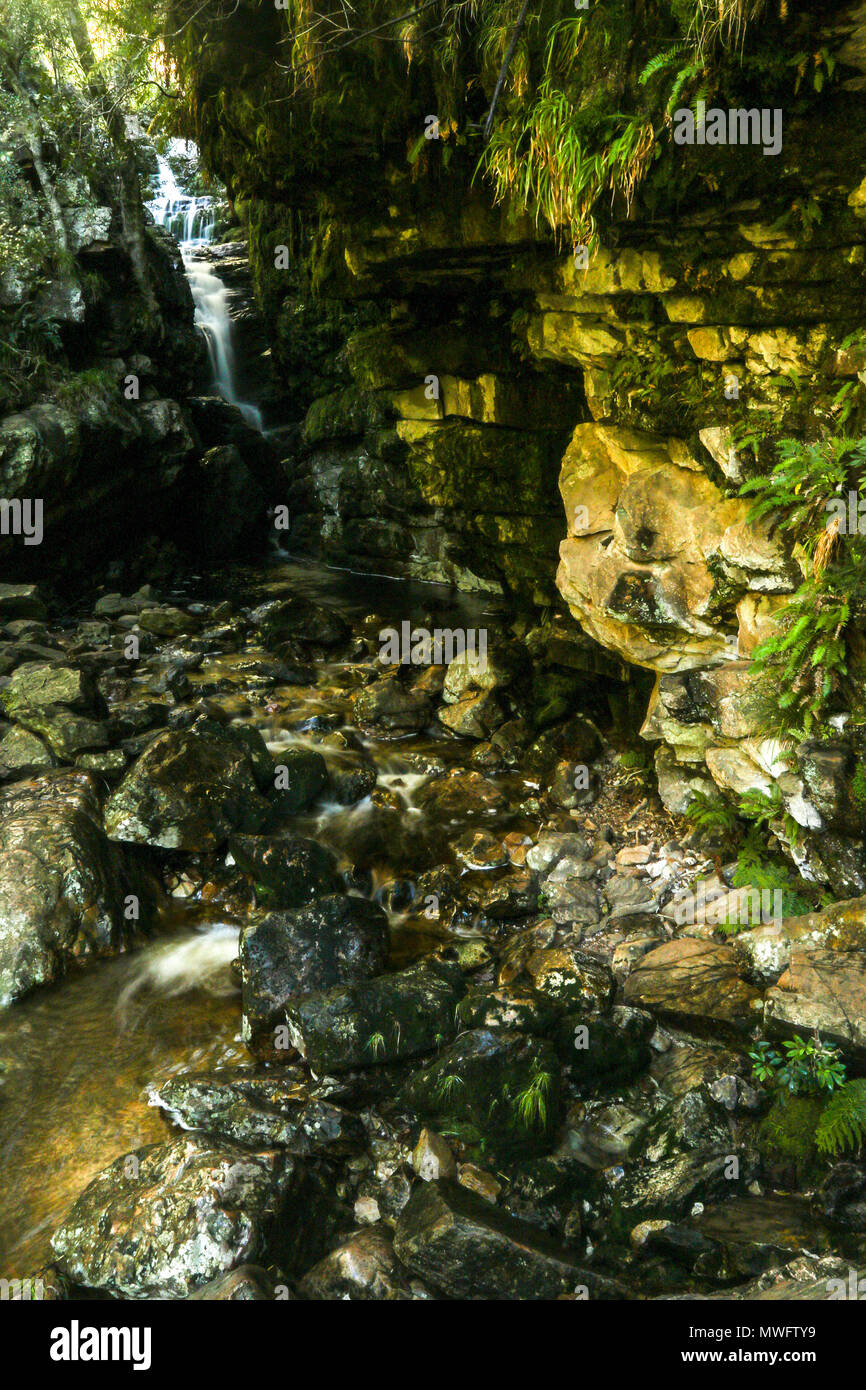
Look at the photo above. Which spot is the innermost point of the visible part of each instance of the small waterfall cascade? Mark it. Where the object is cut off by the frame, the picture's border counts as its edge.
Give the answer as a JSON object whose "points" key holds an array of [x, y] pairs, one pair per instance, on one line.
{"points": [[190, 218]]}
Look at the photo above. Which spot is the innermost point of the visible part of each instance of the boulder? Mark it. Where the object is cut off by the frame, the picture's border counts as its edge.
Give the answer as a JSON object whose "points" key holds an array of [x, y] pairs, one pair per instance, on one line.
{"points": [[381, 1020], [191, 788], [822, 991], [463, 1245], [337, 940], [362, 1268], [286, 872], [498, 1087], [257, 1111], [66, 891], [299, 776], [694, 981], [167, 1219]]}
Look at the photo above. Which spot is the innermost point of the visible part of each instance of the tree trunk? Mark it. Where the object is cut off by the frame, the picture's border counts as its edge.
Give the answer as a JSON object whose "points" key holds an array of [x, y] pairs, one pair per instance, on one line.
{"points": [[132, 212]]}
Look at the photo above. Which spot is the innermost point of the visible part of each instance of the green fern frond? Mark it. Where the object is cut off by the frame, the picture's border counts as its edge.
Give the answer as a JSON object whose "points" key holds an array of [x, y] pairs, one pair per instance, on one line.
{"points": [[843, 1122]]}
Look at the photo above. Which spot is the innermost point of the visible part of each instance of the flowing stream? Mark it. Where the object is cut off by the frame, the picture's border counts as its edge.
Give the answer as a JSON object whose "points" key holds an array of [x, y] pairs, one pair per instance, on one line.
{"points": [[75, 1059]]}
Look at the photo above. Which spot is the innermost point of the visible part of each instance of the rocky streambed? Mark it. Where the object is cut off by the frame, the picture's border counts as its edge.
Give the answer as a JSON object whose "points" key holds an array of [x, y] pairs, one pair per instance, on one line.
{"points": [[327, 978]]}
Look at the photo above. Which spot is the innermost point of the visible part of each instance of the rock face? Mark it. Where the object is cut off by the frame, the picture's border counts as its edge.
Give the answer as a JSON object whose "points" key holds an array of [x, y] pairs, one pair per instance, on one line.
{"points": [[180, 1215], [693, 980], [65, 890], [449, 367], [190, 789]]}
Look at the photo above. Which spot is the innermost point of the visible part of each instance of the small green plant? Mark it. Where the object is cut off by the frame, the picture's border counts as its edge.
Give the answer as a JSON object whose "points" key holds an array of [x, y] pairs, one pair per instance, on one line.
{"points": [[843, 1121], [531, 1104], [711, 816], [803, 1066], [376, 1044]]}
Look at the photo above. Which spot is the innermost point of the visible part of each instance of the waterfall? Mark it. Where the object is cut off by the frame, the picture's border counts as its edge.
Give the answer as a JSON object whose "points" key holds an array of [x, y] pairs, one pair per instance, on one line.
{"points": [[191, 219]]}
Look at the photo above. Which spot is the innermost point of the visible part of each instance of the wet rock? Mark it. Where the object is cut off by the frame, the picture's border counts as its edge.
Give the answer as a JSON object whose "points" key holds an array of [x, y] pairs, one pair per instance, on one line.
{"points": [[691, 980], [482, 1183], [55, 702], [744, 1236], [605, 1047], [390, 705], [300, 620], [22, 754], [466, 1247], [553, 846], [670, 1187], [169, 1218], [167, 621], [460, 793], [246, 1284], [602, 1138], [65, 891], [475, 715], [352, 779], [286, 872], [363, 1268], [822, 991], [478, 849], [514, 894], [300, 774], [21, 601], [381, 1020], [257, 1111], [335, 941], [573, 785], [573, 978], [227, 512], [500, 1087], [523, 1010], [432, 1157], [191, 788]]}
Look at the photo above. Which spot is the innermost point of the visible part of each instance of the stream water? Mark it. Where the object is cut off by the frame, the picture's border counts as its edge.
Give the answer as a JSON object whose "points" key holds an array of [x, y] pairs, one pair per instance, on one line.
{"points": [[75, 1059]]}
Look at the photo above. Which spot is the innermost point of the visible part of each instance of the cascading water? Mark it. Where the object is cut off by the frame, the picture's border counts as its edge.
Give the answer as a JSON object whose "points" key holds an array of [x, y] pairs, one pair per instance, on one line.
{"points": [[191, 219]]}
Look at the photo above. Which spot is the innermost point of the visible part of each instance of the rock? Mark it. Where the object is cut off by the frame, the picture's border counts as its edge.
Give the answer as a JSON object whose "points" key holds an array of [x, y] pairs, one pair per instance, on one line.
{"points": [[605, 1047], [460, 793], [523, 1010], [300, 774], [571, 977], [461, 1244], [381, 1020], [483, 1184], [300, 620], [167, 621], [227, 512], [514, 894], [822, 991], [692, 980], [839, 927], [363, 1268], [388, 704], [478, 849], [21, 601], [352, 779], [432, 1158], [337, 940], [286, 872], [475, 715], [257, 1111], [191, 788], [36, 686], [66, 892], [672, 1186], [499, 1087], [169, 1218], [22, 754], [246, 1284]]}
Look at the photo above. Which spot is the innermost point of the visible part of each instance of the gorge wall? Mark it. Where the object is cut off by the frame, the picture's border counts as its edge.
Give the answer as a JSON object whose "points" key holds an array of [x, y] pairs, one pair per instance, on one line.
{"points": [[473, 402]]}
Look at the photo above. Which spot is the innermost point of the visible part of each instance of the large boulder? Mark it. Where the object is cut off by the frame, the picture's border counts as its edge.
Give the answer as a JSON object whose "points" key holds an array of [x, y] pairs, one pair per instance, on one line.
{"points": [[286, 872], [822, 991], [191, 788], [335, 941], [382, 1020], [694, 981], [362, 1268], [169, 1218], [66, 891], [258, 1111]]}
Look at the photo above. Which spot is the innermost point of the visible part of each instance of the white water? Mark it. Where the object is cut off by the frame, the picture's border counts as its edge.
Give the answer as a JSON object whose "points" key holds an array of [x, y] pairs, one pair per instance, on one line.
{"points": [[191, 220]]}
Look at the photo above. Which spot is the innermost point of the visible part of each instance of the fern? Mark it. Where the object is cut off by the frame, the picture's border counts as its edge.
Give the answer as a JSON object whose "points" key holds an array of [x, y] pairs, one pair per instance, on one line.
{"points": [[843, 1121]]}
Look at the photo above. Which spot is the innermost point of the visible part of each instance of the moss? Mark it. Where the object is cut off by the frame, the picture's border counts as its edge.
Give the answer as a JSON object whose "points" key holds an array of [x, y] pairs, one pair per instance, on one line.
{"points": [[786, 1139]]}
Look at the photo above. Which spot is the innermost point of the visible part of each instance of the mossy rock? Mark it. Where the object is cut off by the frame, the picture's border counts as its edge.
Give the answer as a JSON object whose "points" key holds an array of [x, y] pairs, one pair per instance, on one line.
{"points": [[786, 1140]]}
